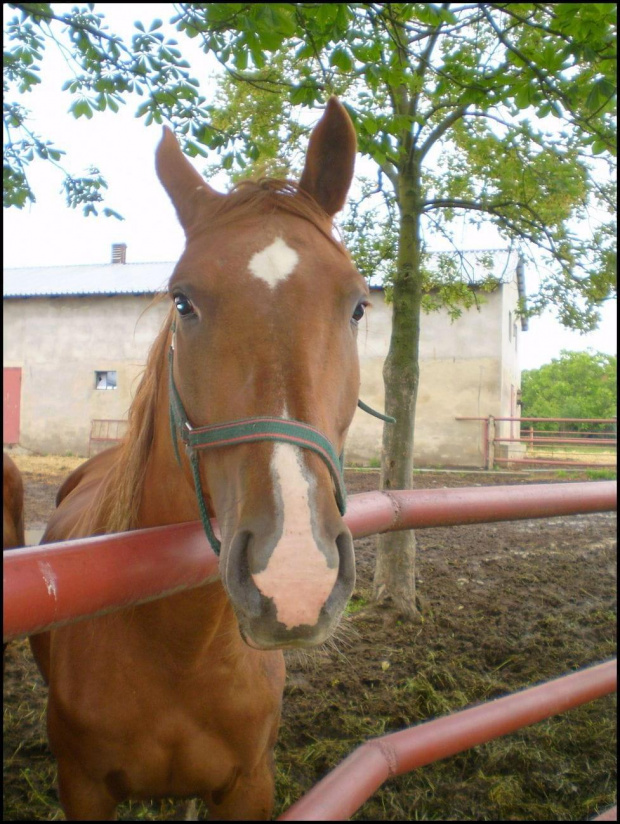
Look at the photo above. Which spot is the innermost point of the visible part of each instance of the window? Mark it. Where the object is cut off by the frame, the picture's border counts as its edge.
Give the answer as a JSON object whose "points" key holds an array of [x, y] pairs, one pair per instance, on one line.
{"points": [[105, 380], [509, 326]]}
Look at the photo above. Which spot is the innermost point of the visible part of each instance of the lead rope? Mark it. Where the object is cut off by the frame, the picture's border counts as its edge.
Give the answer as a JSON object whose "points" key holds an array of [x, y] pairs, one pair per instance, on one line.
{"points": [[365, 408], [250, 430]]}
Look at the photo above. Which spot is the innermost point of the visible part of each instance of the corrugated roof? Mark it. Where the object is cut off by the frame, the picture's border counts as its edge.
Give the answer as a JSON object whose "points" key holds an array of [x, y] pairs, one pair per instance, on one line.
{"points": [[505, 266], [470, 263], [96, 279], [148, 278]]}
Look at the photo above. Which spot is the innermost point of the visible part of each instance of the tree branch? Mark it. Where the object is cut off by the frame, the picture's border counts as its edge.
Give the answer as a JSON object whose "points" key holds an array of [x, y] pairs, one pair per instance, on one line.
{"points": [[544, 79], [441, 129], [68, 21]]}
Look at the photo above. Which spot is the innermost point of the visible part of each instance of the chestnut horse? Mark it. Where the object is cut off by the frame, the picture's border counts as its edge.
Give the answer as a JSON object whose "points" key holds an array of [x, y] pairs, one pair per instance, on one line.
{"points": [[12, 509], [12, 505], [256, 371]]}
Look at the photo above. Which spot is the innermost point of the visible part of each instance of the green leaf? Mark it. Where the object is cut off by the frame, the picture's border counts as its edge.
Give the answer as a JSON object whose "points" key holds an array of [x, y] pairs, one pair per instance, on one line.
{"points": [[341, 59], [326, 14], [241, 60], [602, 91], [305, 51], [81, 108], [111, 213], [370, 125]]}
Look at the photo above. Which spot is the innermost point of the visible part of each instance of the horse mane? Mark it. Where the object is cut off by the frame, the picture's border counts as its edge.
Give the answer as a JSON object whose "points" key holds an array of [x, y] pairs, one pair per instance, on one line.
{"points": [[118, 506]]}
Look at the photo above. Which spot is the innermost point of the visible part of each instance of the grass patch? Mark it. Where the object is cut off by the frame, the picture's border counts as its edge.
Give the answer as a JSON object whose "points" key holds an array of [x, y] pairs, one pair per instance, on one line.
{"points": [[601, 474], [355, 604], [47, 464]]}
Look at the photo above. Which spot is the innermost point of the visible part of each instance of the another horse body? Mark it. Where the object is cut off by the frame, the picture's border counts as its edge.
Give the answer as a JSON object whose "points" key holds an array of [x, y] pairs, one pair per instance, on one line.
{"points": [[12, 505], [181, 696], [12, 509]]}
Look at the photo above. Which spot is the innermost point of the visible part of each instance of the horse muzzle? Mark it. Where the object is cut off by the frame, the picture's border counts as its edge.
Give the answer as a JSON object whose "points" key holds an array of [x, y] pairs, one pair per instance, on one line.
{"points": [[294, 599]]}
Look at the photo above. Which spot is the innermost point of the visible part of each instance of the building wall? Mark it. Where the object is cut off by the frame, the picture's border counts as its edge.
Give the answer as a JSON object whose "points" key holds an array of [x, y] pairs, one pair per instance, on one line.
{"points": [[511, 373], [467, 368], [59, 343]]}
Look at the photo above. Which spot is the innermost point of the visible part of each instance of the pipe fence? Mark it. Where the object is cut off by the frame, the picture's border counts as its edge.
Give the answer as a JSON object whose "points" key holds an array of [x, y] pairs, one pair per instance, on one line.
{"points": [[343, 791], [55, 584], [538, 447]]}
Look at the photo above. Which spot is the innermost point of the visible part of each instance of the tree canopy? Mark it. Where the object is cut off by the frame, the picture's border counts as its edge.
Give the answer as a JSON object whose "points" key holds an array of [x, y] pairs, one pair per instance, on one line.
{"points": [[507, 108], [575, 385]]}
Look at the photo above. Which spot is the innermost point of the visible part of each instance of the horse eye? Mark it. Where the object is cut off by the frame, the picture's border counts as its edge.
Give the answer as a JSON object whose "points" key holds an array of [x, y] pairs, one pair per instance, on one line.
{"points": [[359, 311], [183, 305]]}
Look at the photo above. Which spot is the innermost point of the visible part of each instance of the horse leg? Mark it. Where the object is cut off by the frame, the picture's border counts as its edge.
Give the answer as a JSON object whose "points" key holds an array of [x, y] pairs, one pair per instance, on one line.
{"points": [[251, 798], [82, 798]]}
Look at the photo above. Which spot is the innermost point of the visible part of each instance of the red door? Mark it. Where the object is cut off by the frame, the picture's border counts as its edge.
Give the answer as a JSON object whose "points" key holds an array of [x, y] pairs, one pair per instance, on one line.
{"points": [[12, 384]]}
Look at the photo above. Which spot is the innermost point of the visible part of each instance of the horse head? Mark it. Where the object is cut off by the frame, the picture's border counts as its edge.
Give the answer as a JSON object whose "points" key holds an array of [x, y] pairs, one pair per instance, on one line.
{"points": [[267, 306]]}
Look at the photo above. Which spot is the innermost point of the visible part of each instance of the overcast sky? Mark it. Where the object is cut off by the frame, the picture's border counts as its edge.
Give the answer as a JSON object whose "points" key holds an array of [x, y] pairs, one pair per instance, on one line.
{"points": [[48, 233]]}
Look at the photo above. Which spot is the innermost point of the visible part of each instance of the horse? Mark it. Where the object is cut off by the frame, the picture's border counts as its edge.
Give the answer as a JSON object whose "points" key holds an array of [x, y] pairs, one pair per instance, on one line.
{"points": [[12, 505], [256, 373], [12, 510]]}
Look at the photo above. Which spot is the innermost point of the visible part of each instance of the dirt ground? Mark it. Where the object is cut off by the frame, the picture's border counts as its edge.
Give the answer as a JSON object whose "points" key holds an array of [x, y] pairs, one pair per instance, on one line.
{"points": [[504, 606]]}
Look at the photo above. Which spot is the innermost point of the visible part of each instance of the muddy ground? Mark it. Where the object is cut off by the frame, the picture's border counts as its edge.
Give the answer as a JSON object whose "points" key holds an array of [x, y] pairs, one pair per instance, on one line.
{"points": [[505, 606]]}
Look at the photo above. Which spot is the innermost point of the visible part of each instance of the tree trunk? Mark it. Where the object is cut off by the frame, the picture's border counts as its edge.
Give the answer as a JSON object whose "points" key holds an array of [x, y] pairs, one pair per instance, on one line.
{"points": [[394, 580]]}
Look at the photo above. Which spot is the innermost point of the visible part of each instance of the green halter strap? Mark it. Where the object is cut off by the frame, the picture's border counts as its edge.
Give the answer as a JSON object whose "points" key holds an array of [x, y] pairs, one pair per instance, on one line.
{"points": [[249, 430]]}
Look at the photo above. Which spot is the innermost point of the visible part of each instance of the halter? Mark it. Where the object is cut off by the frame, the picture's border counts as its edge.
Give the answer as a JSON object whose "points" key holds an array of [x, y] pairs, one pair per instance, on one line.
{"points": [[249, 430]]}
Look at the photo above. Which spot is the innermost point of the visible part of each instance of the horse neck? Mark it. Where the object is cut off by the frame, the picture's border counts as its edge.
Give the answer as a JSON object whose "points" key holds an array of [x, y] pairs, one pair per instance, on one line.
{"points": [[168, 497]]}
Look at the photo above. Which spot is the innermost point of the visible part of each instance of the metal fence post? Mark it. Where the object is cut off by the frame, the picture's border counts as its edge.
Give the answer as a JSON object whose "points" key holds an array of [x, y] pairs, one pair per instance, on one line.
{"points": [[490, 442]]}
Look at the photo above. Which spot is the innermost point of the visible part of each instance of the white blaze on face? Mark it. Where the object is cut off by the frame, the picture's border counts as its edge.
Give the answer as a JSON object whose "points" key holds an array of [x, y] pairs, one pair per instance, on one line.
{"points": [[275, 263], [297, 577]]}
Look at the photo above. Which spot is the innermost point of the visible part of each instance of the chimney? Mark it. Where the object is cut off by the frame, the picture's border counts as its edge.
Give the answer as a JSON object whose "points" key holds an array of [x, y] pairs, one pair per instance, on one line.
{"points": [[119, 253]]}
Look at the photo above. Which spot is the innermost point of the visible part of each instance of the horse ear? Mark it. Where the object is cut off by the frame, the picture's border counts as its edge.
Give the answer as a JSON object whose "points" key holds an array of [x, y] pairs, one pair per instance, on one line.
{"points": [[330, 158], [188, 190]]}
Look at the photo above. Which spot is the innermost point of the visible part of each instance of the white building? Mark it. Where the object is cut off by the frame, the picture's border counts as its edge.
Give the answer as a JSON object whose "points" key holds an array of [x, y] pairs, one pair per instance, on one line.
{"points": [[76, 340]]}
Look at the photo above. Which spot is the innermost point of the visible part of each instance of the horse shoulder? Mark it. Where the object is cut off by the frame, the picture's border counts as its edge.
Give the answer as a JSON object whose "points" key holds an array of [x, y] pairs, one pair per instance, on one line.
{"points": [[76, 497], [88, 468], [73, 500]]}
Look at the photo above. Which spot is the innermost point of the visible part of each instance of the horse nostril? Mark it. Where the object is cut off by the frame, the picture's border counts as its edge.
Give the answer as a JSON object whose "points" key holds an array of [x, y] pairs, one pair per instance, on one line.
{"points": [[238, 580], [346, 572]]}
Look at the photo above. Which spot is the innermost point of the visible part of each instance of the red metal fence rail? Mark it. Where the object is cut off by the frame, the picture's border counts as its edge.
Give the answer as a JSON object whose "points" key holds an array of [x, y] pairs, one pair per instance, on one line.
{"points": [[55, 584], [343, 791], [536, 438]]}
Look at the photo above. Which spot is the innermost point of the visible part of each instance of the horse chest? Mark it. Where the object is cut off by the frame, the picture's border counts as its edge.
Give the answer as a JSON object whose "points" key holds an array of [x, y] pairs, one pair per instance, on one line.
{"points": [[153, 731]]}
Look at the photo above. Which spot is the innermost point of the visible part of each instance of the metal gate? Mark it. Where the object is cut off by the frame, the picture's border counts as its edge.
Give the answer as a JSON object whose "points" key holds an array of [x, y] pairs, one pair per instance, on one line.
{"points": [[105, 432]]}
